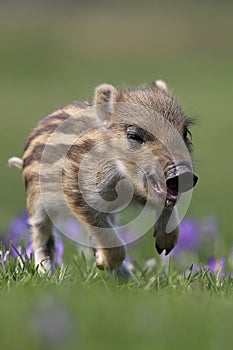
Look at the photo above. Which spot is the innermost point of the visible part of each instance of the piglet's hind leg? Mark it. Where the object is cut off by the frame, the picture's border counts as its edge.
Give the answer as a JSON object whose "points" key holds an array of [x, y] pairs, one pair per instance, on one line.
{"points": [[43, 242]]}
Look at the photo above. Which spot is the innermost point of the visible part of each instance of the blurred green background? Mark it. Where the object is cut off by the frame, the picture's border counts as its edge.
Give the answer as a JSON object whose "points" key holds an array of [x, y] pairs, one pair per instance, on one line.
{"points": [[104, 319], [55, 52]]}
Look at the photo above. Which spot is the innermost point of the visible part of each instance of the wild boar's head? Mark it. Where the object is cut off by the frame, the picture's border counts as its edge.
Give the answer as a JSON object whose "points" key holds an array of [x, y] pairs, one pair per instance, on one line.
{"points": [[151, 140]]}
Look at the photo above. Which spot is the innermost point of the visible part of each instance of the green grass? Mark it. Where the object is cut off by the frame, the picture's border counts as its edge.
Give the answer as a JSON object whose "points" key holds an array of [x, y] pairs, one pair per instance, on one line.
{"points": [[52, 59], [161, 278], [168, 309]]}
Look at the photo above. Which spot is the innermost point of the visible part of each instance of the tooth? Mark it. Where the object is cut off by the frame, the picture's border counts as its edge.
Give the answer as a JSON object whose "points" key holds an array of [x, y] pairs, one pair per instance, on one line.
{"points": [[169, 203]]}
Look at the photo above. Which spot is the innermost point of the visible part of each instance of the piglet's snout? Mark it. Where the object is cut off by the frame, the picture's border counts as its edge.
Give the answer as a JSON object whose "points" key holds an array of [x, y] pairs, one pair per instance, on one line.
{"points": [[180, 178]]}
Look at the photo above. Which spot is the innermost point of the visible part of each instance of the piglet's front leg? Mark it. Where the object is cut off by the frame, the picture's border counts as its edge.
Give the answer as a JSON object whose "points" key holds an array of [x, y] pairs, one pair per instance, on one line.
{"points": [[109, 249], [165, 239]]}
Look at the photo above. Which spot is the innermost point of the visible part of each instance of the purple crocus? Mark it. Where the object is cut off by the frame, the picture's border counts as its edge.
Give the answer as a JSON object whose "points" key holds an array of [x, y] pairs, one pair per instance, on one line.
{"points": [[19, 228], [217, 266], [72, 229], [21, 252], [128, 263], [59, 247], [189, 238], [4, 257]]}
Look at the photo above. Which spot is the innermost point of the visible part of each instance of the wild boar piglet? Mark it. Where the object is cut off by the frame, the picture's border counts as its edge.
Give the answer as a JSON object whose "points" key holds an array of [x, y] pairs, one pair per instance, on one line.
{"points": [[91, 159]]}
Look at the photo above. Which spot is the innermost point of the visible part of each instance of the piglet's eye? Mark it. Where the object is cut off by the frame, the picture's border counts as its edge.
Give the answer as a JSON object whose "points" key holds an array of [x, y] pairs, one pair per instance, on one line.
{"points": [[135, 135]]}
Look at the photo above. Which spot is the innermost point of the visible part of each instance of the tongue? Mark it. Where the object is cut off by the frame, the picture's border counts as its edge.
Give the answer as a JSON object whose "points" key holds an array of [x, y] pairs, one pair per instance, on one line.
{"points": [[170, 194]]}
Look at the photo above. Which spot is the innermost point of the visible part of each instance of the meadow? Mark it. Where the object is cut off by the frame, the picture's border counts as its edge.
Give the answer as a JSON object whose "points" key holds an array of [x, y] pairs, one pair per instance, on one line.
{"points": [[50, 58]]}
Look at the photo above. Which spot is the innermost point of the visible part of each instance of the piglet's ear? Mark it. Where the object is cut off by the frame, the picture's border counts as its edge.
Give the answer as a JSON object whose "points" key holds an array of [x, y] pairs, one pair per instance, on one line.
{"points": [[104, 100], [160, 85]]}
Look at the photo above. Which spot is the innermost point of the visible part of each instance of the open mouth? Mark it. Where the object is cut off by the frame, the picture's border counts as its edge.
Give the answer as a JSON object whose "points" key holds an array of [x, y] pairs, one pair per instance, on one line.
{"points": [[179, 179], [171, 196]]}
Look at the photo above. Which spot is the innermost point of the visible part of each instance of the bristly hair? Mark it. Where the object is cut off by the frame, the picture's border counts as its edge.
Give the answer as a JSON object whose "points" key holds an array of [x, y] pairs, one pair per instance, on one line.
{"points": [[189, 121]]}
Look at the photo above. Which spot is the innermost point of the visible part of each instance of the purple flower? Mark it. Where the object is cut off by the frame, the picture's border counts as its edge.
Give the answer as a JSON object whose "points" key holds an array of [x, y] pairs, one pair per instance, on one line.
{"points": [[217, 266], [19, 228], [128, 263], [21, 252], [59, 247], [4, 257], [189, 238], [72, 229]]}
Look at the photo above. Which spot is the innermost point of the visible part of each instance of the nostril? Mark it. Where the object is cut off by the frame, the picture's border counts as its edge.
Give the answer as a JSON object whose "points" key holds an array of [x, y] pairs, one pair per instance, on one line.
{"points": [[182, 182]]}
